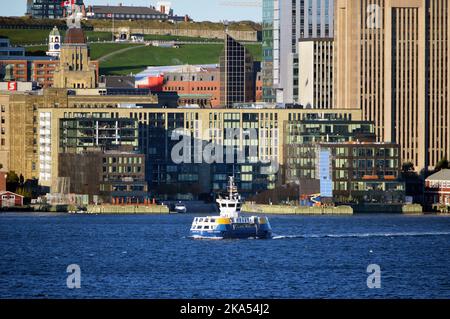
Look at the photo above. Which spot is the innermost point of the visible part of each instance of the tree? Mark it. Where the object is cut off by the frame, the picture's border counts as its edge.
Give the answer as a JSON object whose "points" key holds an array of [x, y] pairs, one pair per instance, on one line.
{"points": [[12, 181], [407, 167], [21, 180], [442, 164]]}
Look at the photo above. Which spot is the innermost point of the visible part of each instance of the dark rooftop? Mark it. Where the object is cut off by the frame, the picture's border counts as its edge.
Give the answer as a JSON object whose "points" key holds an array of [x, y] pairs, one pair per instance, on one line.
{"points": [[125, 10], [74, 36]]}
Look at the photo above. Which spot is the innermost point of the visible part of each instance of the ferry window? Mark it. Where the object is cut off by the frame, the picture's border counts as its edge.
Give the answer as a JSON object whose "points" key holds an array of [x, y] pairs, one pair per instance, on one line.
{"points": [[206, 227], [213, 220], [230, 205]]}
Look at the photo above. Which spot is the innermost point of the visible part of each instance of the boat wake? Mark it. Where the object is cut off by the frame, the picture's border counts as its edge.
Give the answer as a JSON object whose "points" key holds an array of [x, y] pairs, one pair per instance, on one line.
{"points": [[362, 235]]}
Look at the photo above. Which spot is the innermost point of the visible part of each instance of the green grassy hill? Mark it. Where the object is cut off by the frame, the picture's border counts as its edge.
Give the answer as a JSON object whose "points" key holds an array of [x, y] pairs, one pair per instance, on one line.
{"points": [[130, 61], [136, 60]]}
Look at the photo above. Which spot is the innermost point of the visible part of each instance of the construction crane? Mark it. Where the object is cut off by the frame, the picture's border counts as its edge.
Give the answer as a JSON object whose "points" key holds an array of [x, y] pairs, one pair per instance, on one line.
{"points": [[257, 3]]}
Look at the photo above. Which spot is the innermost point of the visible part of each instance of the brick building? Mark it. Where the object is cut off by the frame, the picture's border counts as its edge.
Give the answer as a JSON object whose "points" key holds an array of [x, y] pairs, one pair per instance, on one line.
{"points": [[437, 188]]}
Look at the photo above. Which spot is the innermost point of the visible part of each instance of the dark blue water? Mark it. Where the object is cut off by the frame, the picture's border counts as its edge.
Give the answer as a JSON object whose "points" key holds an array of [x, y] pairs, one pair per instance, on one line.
{"points": [[151, 257]]}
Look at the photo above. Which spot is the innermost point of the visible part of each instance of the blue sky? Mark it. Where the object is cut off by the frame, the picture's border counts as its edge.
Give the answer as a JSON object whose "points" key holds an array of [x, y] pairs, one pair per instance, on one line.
{"points": [[200, 10]]}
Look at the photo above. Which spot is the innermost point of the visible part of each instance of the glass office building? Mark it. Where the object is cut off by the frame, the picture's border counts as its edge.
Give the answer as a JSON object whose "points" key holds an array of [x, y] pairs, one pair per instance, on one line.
{"points": [[268, 51], [236, 74]]}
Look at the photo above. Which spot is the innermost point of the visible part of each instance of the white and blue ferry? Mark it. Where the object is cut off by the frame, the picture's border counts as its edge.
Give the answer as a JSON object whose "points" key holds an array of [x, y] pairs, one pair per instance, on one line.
{"points": [[230, 225]]}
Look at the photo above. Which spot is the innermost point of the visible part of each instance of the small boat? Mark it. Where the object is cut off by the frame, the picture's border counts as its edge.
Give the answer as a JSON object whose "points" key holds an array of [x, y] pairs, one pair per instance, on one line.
{"points": [[180, 208], [230, 225]]}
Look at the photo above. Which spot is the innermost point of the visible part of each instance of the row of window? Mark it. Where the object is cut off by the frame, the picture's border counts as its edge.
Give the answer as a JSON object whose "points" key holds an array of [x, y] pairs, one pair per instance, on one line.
{"points": [[130, 16]]}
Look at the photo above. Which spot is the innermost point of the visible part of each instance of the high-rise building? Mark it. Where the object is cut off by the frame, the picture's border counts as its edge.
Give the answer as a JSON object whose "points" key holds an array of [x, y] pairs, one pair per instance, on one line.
{"points": [[285, 22], [237, 79], [268, 51], [392, 62], [315, 78]]}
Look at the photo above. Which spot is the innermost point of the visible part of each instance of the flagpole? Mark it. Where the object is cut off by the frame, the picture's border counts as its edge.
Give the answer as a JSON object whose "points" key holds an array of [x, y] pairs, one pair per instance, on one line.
{"points": [[112, 35]]}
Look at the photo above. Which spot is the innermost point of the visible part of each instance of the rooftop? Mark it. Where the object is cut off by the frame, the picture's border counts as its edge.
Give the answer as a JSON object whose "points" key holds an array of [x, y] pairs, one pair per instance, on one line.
{"points": [[442, 175], [183, 68], [124, 10], [75, 36]]}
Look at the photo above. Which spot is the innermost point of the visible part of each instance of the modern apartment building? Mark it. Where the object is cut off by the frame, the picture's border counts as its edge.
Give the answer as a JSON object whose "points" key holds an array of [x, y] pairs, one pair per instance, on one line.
{"points": [[359, 168], [391, 61]]}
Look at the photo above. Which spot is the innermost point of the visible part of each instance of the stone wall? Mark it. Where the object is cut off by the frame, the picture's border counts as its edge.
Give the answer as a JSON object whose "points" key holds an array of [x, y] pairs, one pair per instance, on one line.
{"points": [[251, 36]]}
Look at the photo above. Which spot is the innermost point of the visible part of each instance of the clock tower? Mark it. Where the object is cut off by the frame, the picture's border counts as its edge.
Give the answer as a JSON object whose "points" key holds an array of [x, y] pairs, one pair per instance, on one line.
{"points": [[54, 43]]}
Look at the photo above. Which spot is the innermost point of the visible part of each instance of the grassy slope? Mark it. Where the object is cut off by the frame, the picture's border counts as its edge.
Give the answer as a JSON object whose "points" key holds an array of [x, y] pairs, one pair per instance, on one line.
{"points": [[97, 49], [136, 60]]}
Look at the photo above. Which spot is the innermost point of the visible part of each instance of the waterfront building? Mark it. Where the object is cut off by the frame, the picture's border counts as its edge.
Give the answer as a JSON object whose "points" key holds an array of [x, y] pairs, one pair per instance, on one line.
{"points": [[392, 63], [365, 172], [104, 175], [303, 134], [10, 199], [155, 129], [237, 77], [358, 163], [315, 77], [437, 189], [23, 128]]}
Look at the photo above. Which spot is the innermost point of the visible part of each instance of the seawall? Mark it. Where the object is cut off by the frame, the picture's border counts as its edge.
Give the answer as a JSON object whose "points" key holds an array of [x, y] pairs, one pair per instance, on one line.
{"points": [[408, 209], [127, 209], [296, 210]]}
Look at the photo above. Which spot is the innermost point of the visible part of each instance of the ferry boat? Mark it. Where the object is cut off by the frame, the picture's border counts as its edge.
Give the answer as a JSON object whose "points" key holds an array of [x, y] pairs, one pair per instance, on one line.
{"points": [[229, 224]]}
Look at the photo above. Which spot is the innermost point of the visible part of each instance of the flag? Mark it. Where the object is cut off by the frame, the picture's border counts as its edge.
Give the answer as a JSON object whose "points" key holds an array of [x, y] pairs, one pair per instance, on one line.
{"points": [[67, 3], [109, 15]]}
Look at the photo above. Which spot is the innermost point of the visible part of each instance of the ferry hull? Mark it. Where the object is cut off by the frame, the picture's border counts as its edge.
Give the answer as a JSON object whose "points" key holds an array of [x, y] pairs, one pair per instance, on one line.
{"points": [[234, 232]]}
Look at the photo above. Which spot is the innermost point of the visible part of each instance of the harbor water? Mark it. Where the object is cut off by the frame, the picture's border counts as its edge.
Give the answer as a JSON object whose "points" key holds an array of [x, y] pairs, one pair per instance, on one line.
{"points": [[152, 256]]}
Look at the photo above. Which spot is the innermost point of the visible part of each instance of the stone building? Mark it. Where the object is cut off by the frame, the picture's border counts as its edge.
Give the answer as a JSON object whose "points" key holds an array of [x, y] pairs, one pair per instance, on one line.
{"points": [[75, 70]]}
